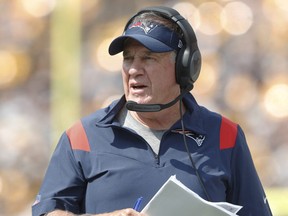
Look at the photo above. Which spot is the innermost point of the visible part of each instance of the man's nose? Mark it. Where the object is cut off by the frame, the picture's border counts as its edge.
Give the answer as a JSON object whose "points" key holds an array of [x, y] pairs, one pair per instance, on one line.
{"points": [[136, 67]]}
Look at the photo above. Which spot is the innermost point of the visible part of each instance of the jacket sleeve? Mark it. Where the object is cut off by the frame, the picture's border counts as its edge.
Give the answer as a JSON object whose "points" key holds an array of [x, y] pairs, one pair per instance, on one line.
{"points": [[246, 189], [64, 185]]}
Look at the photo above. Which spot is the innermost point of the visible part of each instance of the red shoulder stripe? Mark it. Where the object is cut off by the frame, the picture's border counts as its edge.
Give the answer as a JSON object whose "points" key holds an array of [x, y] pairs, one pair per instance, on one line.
{"points": [[78, 137], [228, 133]]}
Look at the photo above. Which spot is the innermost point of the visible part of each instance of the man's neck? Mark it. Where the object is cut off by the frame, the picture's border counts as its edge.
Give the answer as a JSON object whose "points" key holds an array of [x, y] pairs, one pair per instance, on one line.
{"points": [[161, 120]]}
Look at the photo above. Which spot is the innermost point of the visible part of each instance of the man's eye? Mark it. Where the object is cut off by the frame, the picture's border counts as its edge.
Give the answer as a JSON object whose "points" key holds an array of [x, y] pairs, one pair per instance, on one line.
{"points": [[149, 58], [127, 58]]}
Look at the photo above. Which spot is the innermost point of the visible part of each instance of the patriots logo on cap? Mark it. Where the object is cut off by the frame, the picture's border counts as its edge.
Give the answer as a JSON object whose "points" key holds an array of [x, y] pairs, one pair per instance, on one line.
{"points": [[147, 28]]}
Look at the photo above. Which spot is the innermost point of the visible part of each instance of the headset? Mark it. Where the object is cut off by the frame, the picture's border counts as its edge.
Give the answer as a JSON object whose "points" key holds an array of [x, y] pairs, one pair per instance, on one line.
{"points": [[188, 60]]}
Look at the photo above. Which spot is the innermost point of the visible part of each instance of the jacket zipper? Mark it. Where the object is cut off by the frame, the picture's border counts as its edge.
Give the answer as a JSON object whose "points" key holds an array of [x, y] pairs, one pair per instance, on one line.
{"points": [[155, 156]]}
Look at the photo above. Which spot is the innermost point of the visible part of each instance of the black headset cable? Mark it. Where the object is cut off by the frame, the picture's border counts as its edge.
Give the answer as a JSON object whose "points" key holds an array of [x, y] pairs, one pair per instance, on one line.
{"points": [[189, 154]]}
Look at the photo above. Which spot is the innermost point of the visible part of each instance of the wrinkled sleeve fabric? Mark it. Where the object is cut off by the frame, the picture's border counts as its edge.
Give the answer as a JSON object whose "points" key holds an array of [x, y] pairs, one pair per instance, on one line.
{"points": [[64, 185], [246, 189]]}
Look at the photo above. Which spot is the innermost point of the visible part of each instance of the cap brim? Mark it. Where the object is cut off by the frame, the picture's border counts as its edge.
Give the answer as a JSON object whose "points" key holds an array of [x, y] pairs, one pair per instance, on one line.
{"points": [[154, 45]]}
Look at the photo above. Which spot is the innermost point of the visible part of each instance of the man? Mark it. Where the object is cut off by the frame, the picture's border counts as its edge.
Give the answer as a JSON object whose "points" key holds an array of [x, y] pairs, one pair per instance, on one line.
{"points": [[104, 162]]}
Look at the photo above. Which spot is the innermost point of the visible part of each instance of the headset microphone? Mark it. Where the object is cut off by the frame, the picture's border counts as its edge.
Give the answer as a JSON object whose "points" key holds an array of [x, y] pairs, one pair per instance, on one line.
{"points": [[133, 106]]}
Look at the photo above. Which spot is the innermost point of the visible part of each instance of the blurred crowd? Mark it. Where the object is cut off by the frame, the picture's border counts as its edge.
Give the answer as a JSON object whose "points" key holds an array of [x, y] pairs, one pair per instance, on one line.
{"points": [[244, 76]]}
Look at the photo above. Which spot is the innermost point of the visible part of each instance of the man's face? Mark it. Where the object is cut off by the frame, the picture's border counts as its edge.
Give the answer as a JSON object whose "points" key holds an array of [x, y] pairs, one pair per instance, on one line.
{"points": [[148, 77]]}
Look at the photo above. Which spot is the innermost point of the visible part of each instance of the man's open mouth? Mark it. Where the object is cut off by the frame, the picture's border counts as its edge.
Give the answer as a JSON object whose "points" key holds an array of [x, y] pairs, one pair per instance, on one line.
{"points": [[138, 86]]}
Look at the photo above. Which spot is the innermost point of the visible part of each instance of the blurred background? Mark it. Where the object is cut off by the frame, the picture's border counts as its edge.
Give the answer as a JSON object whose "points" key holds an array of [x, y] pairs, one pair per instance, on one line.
{"points": [[54, 68]]}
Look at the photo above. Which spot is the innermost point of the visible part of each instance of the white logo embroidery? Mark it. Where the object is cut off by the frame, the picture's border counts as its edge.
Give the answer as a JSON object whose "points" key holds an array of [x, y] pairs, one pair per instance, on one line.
{"points": [[147, 28], [198, 138]]}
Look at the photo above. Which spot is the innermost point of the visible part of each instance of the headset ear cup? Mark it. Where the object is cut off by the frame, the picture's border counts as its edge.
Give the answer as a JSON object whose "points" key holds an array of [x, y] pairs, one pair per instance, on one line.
{"points": [[187, 67], [195, 65]]}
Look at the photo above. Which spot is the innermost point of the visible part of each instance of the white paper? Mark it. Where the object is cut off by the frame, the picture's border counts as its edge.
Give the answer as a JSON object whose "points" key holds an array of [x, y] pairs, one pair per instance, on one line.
{"points": [[174, 198]]}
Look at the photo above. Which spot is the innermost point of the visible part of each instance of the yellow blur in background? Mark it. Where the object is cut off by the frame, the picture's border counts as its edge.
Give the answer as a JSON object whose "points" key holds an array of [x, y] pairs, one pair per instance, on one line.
{"points": [[55, 68], [278, 201]]}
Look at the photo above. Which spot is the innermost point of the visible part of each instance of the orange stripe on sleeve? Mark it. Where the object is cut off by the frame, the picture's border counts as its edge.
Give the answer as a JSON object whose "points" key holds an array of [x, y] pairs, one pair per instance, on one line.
{"points": [[228, 133], [78, 137]]}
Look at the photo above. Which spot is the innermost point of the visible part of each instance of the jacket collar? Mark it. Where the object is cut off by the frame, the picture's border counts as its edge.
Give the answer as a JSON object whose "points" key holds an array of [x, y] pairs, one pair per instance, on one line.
{"points": [[193, 118]]}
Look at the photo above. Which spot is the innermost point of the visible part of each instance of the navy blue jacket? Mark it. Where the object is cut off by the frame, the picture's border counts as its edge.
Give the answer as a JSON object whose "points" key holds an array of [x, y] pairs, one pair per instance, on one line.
{"points": [[99, 166]]}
